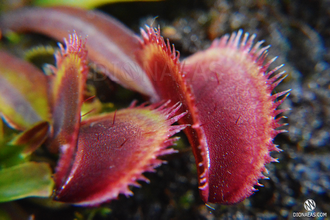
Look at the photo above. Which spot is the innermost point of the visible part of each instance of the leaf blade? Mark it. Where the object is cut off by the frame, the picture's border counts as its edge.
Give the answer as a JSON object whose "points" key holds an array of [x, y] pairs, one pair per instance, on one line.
{"points": [[25, 180], [24, 94], [23, 145], [111, 45]]}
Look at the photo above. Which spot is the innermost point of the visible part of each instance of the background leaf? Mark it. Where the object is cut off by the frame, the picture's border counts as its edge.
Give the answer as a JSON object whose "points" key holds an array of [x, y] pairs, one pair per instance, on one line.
{"points": [[23, 145], [23, 88], [25, 180], [88, 4]]}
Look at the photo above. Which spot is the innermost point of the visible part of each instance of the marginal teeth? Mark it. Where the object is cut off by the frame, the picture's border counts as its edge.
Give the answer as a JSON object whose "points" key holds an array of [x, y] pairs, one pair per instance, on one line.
{"points": [[276, 76], [254, 189], [274, 84], [275, 69], [275, 160], [143, 178], [279, 94], [133, 183]]}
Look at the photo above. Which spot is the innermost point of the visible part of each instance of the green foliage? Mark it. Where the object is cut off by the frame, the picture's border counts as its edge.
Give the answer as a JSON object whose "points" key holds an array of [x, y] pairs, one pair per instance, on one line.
{"points": [[25, 180], [19, 177], [19, 149]]}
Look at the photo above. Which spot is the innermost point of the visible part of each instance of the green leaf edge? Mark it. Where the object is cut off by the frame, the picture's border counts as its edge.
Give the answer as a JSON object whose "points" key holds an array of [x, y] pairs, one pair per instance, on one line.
{"points": [[29, 179]]}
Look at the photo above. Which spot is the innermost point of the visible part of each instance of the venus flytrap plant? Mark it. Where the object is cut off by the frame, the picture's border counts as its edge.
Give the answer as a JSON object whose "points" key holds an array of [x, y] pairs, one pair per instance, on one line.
{"points": [[112, 149], [225, 95]]}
